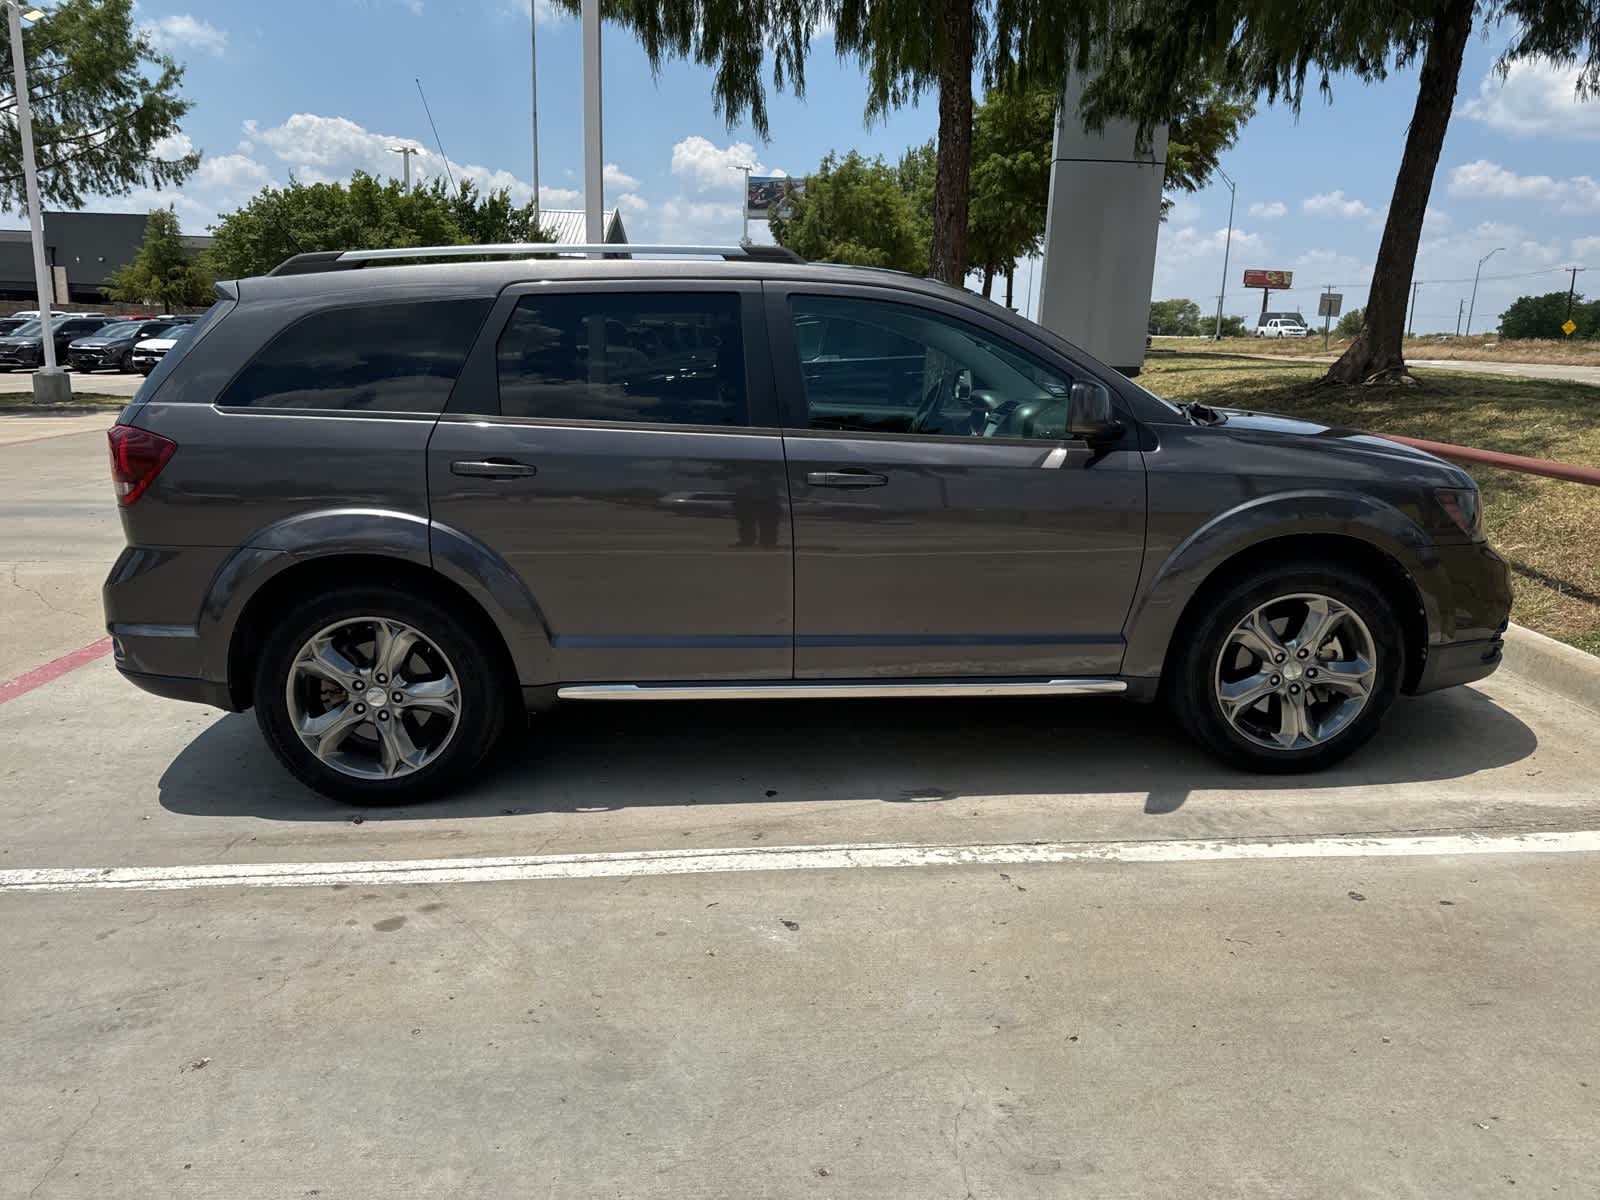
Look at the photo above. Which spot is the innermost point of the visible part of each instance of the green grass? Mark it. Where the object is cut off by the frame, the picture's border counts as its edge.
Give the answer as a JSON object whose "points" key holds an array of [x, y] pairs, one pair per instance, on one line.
{"points": [[19, 404], [1548, 529]]}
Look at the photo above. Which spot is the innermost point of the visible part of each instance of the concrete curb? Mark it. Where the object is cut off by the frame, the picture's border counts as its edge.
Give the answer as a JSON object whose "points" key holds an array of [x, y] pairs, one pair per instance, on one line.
{"points": [[1553, 666]]}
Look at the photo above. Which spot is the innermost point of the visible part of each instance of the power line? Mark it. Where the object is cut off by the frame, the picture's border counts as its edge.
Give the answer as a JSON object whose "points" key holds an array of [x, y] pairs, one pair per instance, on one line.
{"points": [[436, 139]]}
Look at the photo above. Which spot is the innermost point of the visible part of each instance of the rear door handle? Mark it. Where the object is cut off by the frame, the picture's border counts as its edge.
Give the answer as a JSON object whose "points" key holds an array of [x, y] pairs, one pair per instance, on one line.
{"points": [[493, 468], [846, 479]]}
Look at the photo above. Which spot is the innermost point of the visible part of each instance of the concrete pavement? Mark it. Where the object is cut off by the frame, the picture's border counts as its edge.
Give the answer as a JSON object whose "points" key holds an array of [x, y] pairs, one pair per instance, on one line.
{"points": [[1325, 1026], [100, 383]]}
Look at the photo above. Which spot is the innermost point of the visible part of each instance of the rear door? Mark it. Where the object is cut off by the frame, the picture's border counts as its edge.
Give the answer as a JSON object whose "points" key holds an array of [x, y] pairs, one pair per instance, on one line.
{"points": [[944, 524], [616, 443]]}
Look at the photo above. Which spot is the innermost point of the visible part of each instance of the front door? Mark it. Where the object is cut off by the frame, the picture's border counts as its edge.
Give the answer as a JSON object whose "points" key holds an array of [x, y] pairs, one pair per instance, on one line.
{"points": [[944, 524], [615, 443]]}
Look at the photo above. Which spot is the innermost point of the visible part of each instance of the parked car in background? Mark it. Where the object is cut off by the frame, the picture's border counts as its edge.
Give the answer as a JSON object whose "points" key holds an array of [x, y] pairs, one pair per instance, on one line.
{"points": [[147, 353], [1282, 327], [110, 348], [9, 325], [34, 313], [391, 508], [24, 347]]}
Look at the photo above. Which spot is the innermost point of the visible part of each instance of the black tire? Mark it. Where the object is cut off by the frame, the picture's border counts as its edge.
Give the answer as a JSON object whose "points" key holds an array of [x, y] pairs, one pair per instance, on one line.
{"points": [[482, 690], [1200, 642]]}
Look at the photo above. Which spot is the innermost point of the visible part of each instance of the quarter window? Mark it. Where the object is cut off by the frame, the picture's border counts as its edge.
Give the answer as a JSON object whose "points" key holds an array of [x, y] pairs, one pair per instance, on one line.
{"points": [[369, 358], [879, 367], [673, 358]]}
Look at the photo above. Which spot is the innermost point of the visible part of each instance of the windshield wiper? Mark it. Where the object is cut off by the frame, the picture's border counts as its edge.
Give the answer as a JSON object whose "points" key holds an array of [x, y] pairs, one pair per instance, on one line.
{"points": [[1200, 414]]}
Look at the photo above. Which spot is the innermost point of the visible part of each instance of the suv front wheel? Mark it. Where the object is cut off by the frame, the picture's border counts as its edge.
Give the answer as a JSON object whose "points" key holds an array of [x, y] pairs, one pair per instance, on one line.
{"points": [[374, 696], [1290, 669]]}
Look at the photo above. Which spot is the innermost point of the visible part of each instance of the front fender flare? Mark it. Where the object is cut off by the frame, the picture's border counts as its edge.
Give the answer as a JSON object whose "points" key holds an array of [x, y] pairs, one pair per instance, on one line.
{"points": [[1176, 579]]}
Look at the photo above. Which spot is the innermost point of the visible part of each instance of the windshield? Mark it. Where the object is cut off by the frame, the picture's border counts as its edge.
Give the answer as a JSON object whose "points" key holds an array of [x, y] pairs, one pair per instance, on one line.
{"points": [[26, 329], [122, 329]]}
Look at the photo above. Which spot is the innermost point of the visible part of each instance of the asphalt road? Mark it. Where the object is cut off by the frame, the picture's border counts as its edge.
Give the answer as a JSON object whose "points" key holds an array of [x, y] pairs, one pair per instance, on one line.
{"points": [[1557, 371], [986, 949]]}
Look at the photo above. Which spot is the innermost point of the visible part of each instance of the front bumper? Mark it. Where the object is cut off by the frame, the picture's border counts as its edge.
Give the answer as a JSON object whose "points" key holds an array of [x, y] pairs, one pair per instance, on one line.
{"points": [[93, 360], [1459, 662], [1474, 610]]}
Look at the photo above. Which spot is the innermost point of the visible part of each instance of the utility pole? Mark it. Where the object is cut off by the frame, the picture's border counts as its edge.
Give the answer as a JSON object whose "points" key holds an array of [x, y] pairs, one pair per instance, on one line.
{"points": [[744, 203], [1572, 288], [1216, 332], [594, 187], [1327, 308], [405, 153], [50, 383], [1473, 306], [1411, 325], [533, 80], [1460, 307]]}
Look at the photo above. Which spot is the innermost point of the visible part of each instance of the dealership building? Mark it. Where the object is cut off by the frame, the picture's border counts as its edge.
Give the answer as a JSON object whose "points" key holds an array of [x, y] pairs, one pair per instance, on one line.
{"points": [[82, 249]]}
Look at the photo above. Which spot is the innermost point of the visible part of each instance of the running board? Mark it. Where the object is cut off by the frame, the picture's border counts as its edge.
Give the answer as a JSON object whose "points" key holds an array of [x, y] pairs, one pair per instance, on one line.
{"points": [[834, 690]]}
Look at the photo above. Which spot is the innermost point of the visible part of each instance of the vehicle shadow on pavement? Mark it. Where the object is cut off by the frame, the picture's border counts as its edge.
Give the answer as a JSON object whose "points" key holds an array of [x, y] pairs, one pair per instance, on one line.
{"points": [[606, 757]]}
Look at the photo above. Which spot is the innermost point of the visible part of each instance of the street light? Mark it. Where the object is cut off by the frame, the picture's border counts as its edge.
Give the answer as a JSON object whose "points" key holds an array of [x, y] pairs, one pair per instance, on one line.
{"points": [[1475, 275], [50, 383], [405, 153], [1216, 332]]}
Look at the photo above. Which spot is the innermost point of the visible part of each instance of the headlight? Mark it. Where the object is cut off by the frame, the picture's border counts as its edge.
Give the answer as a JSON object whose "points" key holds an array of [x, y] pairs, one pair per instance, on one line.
{"points": [[1464, 506]]}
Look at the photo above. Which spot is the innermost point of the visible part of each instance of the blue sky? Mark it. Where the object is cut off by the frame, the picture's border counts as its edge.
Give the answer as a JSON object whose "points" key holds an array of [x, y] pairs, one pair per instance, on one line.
{"points": [[323, 87]]}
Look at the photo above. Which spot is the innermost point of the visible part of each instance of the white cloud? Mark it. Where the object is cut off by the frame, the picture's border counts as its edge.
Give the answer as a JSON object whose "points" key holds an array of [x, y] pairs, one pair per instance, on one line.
{"points": [[1586, 250], [1183, 212], [1488, 180], [1188, 243], [687, 220], [174, 145], [632, 204], [616, 179], [707, 167], [233, 171], [554, 197], [549, 13], [1536, 98], [1318, 267], [1336, 204], [1269, 211], [180, 31], [1436, 219]]}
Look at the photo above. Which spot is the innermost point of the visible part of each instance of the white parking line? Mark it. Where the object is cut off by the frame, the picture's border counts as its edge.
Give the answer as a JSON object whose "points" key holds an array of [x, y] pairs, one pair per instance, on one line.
{"points": [[771, 858]]}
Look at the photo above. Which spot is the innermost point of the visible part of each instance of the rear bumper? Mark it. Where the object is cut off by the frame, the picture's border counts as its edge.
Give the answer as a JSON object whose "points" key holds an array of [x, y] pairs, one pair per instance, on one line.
{"points": [[181, 687]]}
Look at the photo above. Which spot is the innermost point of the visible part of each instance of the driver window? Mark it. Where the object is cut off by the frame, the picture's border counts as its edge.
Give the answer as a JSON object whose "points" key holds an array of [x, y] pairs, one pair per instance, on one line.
{"points": [[872, 366]]}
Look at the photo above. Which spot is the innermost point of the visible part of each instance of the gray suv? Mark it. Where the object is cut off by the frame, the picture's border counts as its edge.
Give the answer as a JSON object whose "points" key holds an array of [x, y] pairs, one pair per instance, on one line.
{"points": [[393, 507]]}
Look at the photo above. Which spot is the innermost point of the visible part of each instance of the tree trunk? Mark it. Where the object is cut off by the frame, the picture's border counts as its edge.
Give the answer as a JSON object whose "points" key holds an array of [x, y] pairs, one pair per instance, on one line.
{"points": [[1011, 279], [988, 282], [1377, 353], [947, 258]]}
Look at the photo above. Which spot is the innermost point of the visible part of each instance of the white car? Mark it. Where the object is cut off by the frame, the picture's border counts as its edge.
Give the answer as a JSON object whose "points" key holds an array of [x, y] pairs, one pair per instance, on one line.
{"points": [[1279, 327], [148, 353]]}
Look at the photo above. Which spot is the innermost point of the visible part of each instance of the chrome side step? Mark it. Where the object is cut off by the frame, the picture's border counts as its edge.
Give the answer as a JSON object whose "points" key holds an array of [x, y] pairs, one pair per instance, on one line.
{"points": [[834, 690]]}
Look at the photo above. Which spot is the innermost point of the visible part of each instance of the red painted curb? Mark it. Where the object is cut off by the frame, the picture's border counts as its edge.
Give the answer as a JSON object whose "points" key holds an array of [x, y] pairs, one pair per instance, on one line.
{"points": [[39, 676], [1571, 472]]}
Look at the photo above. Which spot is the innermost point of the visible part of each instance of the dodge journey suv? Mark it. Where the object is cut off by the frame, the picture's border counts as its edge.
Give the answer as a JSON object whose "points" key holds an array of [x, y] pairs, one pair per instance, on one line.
{"points": [[391, 508]]}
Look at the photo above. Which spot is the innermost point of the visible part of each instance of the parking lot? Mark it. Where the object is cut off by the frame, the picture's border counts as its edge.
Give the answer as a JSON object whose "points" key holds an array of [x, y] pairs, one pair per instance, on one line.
{"points": [[935, 949]]}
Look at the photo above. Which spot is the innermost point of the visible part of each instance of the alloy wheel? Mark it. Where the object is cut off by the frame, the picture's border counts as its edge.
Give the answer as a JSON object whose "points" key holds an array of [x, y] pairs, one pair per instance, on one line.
{"points": [[1296, 671], [373, 697]]}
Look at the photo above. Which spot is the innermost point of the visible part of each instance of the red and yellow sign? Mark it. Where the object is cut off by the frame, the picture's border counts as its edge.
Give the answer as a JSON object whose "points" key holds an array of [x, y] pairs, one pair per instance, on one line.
{"points": [[1277, 280]]}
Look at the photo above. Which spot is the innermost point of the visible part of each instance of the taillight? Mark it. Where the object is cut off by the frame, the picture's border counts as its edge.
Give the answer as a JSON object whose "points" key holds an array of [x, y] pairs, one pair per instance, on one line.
{"points": [[137, 456]]}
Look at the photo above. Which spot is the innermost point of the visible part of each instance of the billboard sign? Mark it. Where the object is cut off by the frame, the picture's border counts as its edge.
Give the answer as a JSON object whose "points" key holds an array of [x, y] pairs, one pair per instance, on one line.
{"points": [[1329, 303], [1277, 280], [768, 196]]}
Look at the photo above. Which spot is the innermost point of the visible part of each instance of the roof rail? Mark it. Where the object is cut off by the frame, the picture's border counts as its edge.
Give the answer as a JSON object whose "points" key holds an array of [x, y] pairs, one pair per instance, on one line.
{"points": [[319, 261]]}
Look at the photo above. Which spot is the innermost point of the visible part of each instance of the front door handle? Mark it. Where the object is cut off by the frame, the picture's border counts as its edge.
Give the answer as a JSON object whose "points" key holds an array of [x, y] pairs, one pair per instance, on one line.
{"points": [[493, 468], [846, 479]]}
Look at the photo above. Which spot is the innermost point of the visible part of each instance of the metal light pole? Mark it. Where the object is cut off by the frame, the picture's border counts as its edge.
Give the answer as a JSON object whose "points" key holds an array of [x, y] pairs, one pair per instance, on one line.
{"points": [[744, 203], [1475, 274], [533, 78], [1227, 247], [593, 155], [50, 383], [405, 153]]}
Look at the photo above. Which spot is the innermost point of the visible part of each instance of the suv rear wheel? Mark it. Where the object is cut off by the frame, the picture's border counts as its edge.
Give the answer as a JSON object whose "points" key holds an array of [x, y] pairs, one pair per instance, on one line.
{"points": [[375, 696], [1290, 669]]}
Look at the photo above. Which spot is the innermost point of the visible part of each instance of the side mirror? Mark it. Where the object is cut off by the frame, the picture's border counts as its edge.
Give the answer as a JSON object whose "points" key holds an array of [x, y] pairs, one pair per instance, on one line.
{"points": [[1090, 415], [963, 386]]}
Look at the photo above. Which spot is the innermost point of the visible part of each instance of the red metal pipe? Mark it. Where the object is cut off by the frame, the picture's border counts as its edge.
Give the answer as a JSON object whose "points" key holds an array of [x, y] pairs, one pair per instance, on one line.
{"points": [[1506, 462]]}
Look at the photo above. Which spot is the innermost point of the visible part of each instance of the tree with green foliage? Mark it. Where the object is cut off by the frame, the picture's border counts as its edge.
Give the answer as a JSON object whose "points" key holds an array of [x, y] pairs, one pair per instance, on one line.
{"points": [[1231, 326], [1146, 48], [163, 273], [854, 210], [365, 214], [1012, 138], [1175, 318], [1350, 323], [103, 100], [1543, 317]]}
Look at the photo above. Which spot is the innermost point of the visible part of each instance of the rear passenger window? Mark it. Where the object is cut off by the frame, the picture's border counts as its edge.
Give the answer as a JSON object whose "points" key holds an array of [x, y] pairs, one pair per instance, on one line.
{"points": [[367, 358], [611, 356]]}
